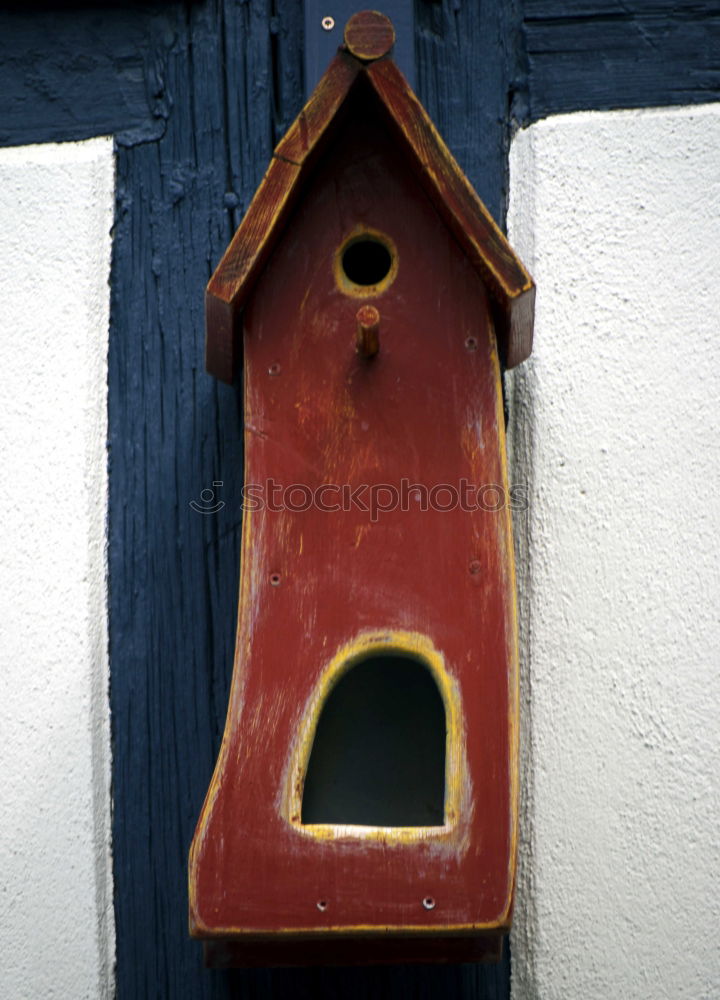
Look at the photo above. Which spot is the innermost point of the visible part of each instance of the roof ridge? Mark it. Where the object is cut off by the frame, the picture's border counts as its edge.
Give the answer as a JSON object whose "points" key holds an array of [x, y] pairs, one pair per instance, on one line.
{"points": [[510, 286]]}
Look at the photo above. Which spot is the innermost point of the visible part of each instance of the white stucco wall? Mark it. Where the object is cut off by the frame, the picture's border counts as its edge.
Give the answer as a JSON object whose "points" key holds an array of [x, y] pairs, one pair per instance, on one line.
{"points": [[616, 428], [56, 917]]}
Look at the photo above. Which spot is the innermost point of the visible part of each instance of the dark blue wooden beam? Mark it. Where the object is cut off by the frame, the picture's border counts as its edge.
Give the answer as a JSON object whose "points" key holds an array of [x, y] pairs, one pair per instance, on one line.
{"points": [[597, 54], [81, 71], [470, 76]]}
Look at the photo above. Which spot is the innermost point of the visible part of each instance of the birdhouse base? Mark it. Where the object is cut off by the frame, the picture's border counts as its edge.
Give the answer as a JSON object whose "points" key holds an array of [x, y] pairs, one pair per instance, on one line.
{"points": [[345, 950]]}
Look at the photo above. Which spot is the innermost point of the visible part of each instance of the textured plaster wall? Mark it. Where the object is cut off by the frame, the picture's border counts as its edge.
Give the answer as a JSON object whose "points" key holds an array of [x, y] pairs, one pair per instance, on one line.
{"points": [[616, 428], [56, 922]]}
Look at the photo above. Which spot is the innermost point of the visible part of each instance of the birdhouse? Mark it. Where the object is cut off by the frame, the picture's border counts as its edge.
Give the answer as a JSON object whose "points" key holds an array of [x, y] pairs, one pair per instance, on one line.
{"points": [[364, 803]]}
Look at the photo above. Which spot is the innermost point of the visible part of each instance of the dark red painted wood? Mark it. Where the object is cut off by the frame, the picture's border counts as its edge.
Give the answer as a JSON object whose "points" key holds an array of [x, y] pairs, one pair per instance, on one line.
{"points": [[425, 409], [510, 286], [253, 241]]}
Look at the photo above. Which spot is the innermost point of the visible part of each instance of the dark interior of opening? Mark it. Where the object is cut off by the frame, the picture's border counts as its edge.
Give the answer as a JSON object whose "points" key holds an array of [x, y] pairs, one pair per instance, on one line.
{"points": [[378, 758], [366, 262]]}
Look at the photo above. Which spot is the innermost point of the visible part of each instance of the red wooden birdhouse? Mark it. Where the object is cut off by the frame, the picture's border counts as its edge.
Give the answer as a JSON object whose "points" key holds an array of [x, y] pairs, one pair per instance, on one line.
{"points": [[364, 803]]}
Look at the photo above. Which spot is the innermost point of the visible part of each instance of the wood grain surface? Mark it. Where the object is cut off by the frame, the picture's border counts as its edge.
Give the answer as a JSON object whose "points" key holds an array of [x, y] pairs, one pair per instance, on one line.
{"points": [[196, 97], [320, 586], [379, 85]]}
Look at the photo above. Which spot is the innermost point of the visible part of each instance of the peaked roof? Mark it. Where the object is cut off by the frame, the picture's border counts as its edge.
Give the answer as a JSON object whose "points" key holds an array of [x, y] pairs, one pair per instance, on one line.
{"points": [[364, 57]]}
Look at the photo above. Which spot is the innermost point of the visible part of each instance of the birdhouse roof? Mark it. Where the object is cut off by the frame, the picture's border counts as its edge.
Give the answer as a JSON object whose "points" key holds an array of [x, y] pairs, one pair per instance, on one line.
{"points": [[511, 289]]}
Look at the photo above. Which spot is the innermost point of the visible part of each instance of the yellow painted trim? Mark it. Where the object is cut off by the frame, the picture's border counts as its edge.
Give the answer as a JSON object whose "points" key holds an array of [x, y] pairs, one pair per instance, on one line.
{"points": [[349, 287], [457, 788], [399, 643], [237, 683], [367, 930], [514, 648]]}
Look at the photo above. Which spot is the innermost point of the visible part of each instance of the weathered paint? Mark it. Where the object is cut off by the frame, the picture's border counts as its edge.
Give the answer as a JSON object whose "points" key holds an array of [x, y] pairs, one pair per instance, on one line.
{"points": [[73, 74], [509, 286], [173, 571], [436, 583], [82, 72], [377, 82], [585, 54]]}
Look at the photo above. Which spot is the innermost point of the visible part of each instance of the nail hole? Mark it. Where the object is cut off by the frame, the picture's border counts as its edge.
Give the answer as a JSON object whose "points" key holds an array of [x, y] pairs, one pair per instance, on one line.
{"points": [[274, 368], [429, 903], [471, 343], [475, 567], [322, 904], [275, 579]]}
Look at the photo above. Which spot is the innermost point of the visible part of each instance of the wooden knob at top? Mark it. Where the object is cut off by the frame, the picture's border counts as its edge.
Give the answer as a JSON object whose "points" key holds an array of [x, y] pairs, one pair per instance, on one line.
{"points": [[369, 35]]}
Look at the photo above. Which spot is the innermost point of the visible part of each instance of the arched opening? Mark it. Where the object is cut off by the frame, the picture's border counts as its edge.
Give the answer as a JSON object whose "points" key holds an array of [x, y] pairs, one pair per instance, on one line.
{"points": [[378, 757]]}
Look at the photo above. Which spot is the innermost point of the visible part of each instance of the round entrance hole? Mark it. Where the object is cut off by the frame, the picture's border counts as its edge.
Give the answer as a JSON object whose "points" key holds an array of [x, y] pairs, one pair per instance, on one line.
{"points": [[365, 264]]}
